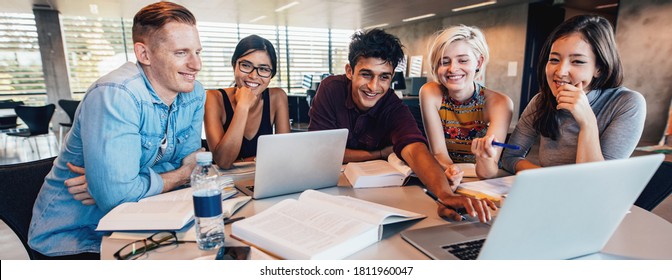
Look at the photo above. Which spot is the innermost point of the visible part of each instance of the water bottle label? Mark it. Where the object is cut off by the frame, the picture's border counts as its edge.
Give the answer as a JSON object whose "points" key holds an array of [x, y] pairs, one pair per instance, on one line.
{"points": [[207, 204]]}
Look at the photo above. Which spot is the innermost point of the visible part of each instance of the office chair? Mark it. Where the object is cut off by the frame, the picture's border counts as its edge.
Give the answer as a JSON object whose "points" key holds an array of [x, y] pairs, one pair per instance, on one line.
{"points": [[398, 81], [8, 122], [9, 104], [21, 184], [37, 119], [658, 189], [69, 106], [310, 95], [413, 104]]}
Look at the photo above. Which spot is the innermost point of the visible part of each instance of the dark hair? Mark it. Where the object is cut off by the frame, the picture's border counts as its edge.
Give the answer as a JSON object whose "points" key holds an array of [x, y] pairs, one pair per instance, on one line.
{"points": [[599, 34], [154, 16], [253, 43], [375, 43]]}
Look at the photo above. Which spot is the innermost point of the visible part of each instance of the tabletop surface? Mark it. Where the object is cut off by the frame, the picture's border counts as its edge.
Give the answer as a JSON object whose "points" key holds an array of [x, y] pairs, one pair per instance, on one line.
{"points": [[641, 235]]}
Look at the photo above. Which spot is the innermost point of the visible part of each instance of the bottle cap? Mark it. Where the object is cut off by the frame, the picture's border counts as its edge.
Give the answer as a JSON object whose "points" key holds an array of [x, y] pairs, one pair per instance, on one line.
{"points": [[204, 157]]}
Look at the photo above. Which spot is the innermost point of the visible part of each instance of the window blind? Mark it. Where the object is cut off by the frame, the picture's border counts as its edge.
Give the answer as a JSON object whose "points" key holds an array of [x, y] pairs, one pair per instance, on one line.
{"points": [[95, 46], [20, 60]]}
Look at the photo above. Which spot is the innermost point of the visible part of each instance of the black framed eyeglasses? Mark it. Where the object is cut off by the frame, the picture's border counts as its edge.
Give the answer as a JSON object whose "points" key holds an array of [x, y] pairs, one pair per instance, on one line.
{"points": [[138, 248], [247, 68]]}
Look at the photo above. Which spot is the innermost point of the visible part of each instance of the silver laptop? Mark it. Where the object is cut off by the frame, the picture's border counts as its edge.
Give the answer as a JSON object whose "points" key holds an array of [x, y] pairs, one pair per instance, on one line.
{"points": [[558, 212], [294, 162]]}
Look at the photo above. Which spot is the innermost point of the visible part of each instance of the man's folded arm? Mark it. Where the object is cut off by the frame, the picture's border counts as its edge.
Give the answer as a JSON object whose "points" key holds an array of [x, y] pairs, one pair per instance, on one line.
{"points": [[190, 141], [112, 150]]}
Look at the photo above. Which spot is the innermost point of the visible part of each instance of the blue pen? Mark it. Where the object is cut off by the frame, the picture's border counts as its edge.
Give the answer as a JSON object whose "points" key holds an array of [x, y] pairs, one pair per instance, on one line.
{"points": [[435, 198], [504, 145]]}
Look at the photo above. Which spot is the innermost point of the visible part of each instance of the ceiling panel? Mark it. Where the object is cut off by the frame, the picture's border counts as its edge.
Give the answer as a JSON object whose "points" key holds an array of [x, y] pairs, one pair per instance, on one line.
{"points": [[340, 14]]}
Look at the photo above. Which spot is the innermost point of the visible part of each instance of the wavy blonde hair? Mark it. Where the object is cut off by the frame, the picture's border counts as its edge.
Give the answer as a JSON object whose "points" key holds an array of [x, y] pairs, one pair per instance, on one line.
{"points": [[469, 34]]}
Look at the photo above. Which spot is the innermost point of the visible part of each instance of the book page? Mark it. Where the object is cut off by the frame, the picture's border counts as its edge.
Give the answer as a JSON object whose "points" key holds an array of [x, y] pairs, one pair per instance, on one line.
{"points": [[373, 174], [400, 165], [184, 194], [148, 208], [177, 195], [493, 188], [153, 215], [374, 168], [230, 206], [368, 211], [303, 228], [185, 234]]}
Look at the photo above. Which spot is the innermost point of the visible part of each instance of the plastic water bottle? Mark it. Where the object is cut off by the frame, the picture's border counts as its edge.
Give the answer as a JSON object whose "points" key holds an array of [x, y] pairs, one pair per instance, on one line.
{"points": [[207, 203]]}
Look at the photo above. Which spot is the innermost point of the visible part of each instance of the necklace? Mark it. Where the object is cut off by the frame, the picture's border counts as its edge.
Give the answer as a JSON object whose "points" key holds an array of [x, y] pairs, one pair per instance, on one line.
{"points": [[458, 102]]}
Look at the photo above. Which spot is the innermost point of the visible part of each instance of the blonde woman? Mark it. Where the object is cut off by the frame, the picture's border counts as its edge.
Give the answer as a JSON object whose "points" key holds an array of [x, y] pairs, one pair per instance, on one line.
{"points": [[462, 118]]}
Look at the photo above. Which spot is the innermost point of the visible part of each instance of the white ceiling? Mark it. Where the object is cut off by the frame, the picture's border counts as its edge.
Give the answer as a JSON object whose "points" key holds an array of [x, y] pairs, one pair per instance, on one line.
{"points": [[338, 14], [345, 14]]}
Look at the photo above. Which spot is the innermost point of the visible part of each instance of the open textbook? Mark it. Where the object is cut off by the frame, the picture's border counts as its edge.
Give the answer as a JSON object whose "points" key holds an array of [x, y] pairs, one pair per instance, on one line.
{"points": [[378, 173], [186, 233], [318, 226], [168, 211], [493, 189], [390, 173]]}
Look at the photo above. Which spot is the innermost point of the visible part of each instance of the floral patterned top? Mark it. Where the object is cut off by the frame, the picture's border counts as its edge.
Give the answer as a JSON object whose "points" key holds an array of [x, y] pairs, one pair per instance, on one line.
{"points": [[462, 122]]}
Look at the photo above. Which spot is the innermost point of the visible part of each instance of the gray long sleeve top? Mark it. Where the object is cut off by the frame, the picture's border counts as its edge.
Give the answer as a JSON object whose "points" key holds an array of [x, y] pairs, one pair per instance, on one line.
{"points": [[620, 114]]}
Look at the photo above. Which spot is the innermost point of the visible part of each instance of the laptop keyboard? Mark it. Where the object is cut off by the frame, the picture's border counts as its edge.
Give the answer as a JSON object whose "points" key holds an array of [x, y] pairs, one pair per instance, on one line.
{"points": [[465, 251]]}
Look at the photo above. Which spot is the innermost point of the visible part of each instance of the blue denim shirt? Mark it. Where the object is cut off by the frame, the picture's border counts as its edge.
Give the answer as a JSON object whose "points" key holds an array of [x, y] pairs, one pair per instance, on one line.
{"points": [[116, 136]]}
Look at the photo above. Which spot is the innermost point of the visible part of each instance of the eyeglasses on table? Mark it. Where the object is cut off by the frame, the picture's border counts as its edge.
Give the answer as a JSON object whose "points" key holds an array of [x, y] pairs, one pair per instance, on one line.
{"points": [[138, 248]]}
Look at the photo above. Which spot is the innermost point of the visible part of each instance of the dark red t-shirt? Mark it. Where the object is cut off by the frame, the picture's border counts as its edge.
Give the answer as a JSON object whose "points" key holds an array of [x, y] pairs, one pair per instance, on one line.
{"points": [[389, 122]]}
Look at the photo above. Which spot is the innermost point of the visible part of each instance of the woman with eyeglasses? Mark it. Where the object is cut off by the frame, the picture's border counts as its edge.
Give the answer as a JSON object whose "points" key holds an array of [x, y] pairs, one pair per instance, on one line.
{"points": [[235, 117]]}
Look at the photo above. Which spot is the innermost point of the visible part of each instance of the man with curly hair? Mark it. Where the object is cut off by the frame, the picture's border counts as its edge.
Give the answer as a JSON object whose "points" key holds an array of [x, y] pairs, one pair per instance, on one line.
{"points": [[379, 123]]}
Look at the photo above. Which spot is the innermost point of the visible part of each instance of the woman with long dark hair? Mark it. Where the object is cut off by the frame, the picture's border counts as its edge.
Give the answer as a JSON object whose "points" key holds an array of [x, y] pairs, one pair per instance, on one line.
{"points": [[235, 117], [582, 112]]}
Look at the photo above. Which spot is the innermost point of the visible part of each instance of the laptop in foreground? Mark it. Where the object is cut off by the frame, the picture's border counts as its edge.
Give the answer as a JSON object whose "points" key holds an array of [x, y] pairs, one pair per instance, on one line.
{"points": [[294, 162], [560, 212]]}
